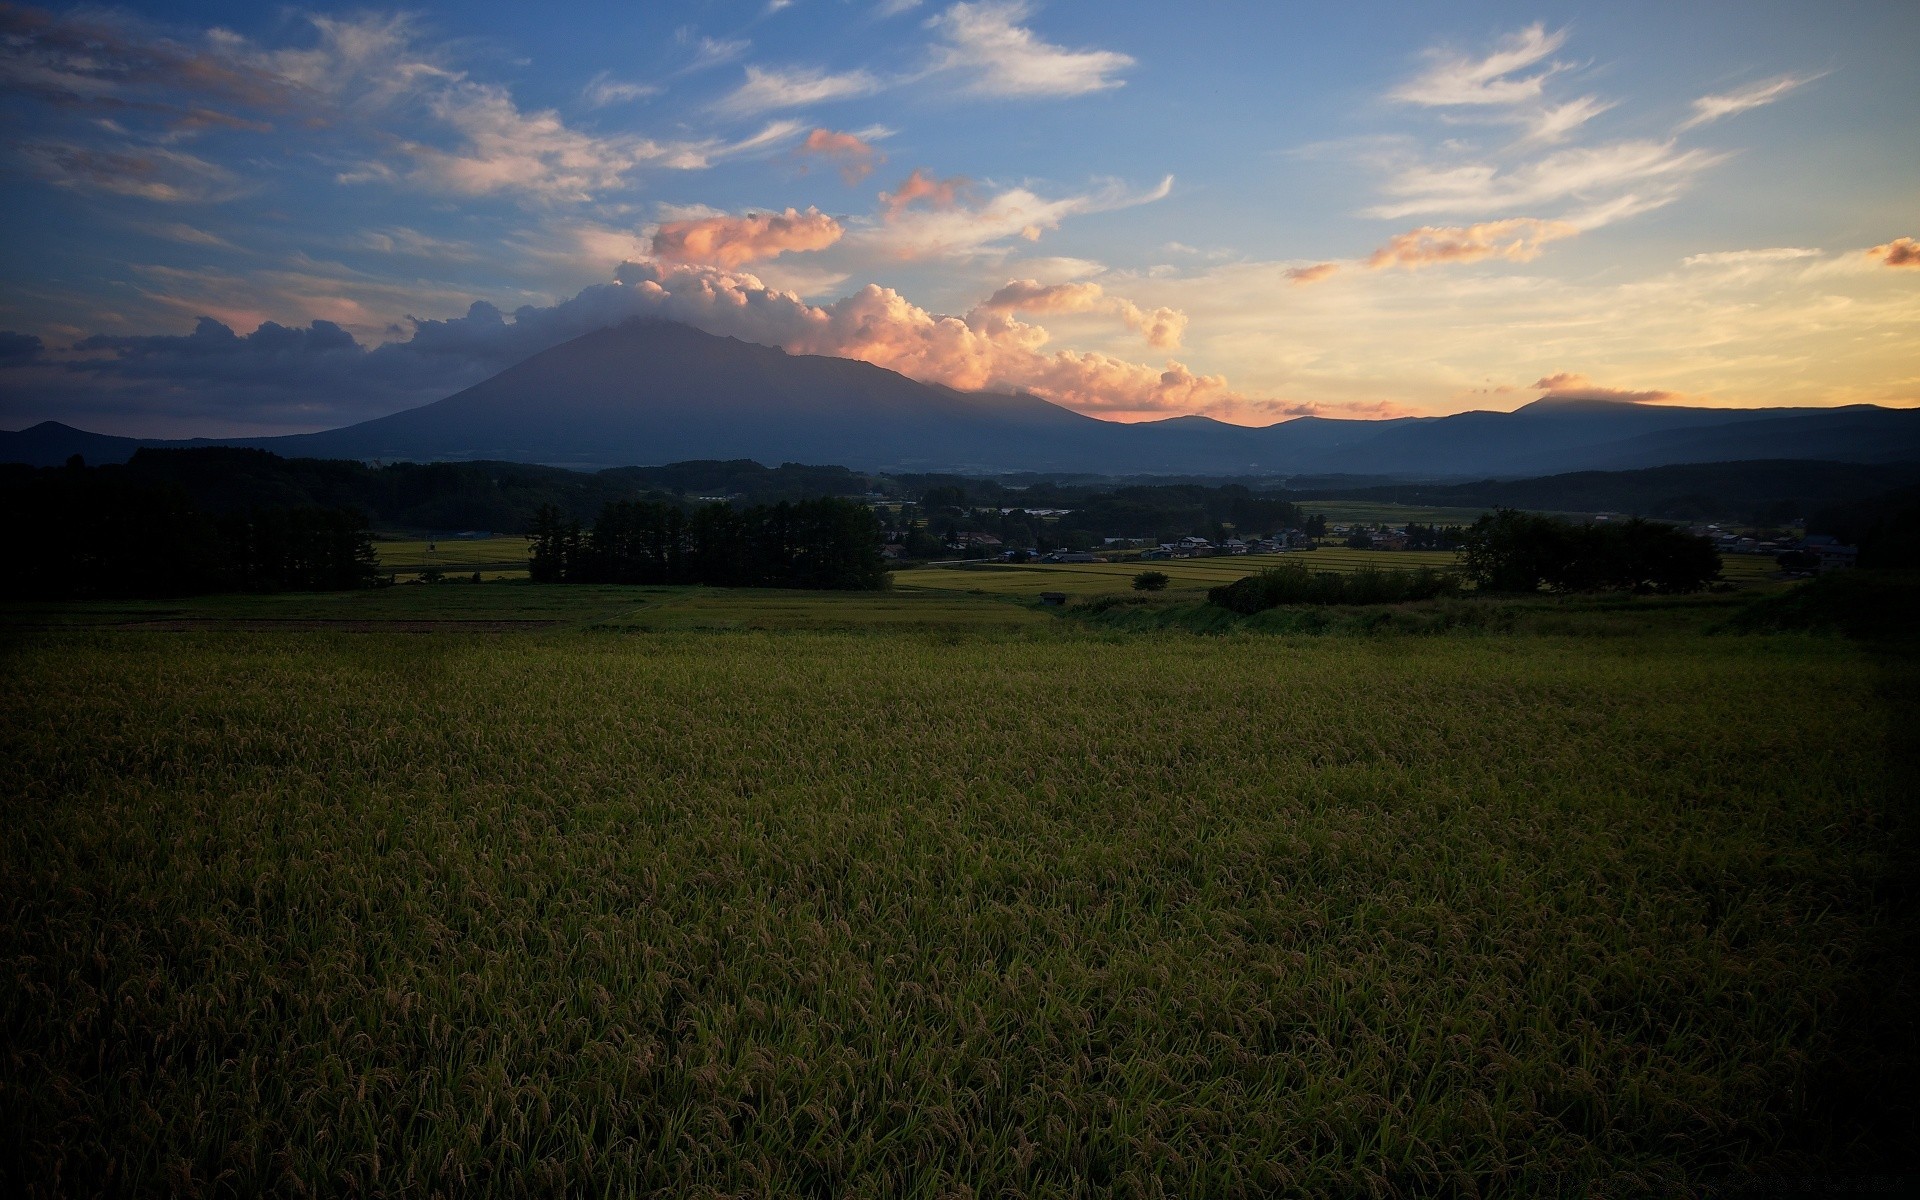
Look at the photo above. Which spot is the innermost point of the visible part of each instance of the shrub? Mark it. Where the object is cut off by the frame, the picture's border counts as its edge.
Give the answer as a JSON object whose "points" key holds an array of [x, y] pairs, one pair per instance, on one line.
{"points": [[1150, 581]]}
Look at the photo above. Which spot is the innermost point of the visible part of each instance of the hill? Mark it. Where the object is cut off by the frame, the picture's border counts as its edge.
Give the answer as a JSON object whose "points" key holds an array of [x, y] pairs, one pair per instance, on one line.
{"points": [[1762, 491]]}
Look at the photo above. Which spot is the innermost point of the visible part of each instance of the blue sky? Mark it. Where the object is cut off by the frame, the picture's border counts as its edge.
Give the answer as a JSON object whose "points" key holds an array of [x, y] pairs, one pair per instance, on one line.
{"points": [[229, 218]]}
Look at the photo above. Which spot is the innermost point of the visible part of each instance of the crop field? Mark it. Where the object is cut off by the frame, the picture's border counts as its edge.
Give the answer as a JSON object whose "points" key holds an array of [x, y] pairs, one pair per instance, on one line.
{"points": [[1087, 579], [494, 558], [685, 893]]}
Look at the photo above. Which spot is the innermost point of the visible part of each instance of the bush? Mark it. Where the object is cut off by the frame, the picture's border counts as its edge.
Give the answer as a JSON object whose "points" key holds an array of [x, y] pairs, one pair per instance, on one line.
{"points": [[1151, 581], [1294, 584]]}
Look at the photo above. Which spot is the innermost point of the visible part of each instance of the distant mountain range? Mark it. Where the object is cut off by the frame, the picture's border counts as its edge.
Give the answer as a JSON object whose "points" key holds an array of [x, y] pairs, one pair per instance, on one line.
{"points": [[651, 392]]}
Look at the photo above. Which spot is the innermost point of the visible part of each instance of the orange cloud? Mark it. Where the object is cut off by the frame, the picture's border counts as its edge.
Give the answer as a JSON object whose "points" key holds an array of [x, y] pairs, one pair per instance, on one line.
{"points": [[855, 158], [1161, 327], [1030, 295], [1517, 239], [919, 185], [727, 241], [877, 325], [1900, 252], [1302, 276], [1570, 385]]}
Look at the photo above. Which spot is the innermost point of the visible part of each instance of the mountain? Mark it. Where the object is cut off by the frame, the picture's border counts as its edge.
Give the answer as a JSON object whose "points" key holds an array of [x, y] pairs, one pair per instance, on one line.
{"points": [[649, 392]]}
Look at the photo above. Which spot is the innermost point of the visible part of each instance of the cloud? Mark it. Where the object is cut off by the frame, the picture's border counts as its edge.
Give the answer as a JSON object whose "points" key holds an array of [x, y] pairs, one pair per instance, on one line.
{"points": [[1727, 104], [735, 241], [934, 218], [714, 52], [413, 116], [1004, 58], [1314, 273], [603, 90], [855, 157], [145, 172], [1454, 79], [1161, 327], [1553, 123], [1723, 258], [1517, 239], [1659, 169], [103, 62], [1569, 385], [767, 89], [411, 242], [1900, 252], [919, 185], [18, 348]]}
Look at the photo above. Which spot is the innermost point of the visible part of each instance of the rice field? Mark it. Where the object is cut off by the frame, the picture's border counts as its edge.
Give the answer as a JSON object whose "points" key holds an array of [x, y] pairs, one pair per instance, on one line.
{"points": [[494, 558], [1088, 579], [675, 892]]}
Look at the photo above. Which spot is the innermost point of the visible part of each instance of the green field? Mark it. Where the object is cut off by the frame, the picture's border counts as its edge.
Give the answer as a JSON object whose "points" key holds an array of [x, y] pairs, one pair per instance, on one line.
{"points": [[511, 890]]}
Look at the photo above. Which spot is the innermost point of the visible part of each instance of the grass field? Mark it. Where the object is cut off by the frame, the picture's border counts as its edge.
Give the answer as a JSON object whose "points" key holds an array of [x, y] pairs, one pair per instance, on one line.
{"points": [[679, 892]]}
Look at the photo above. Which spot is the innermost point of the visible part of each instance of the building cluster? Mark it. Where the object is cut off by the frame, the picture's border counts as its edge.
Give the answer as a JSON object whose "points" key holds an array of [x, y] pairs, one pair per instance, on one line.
{"points": [[1819, 552]]}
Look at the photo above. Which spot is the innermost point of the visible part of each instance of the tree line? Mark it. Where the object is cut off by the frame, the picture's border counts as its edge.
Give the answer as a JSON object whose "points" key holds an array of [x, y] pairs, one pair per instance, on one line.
{"points": [[1512, 551], [822, 544], [79, 534]]}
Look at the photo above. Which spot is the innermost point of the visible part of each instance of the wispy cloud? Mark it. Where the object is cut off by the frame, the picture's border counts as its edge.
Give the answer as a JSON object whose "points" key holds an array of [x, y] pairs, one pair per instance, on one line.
{"points": [[932, 218], [1517, 239], [987, 41], [1311, 273], [1727, 104], [1583, 171], [145, 172], [1455, 79], [853, 155], [603, 89], [715, 52], [1555, 122], [769, 88]]}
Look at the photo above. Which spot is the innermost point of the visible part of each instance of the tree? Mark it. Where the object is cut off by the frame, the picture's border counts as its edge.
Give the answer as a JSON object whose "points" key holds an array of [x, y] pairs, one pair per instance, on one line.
{"points": [[1150, 581]]}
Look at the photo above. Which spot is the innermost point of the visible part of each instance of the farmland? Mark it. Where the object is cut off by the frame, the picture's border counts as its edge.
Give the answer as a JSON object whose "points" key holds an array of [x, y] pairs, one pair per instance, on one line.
{"points": [[684, 892], [1088, 579]]}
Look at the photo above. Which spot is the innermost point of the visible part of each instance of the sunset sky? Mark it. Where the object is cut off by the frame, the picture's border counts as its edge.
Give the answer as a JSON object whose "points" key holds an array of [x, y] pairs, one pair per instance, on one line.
{"points": [[230, 218]]}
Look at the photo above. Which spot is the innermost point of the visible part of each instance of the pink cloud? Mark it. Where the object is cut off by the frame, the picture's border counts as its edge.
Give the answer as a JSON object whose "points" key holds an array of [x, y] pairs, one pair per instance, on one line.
{"points": [[1900, 252], [919, 185], [1302, 276], [854, 157], [727, 241], [1517, 239], [1161, 327], [982, 351]]}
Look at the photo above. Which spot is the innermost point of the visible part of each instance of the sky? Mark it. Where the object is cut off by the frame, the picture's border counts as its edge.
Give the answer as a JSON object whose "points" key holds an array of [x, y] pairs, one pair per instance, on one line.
{"points": [[227, 219]]}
